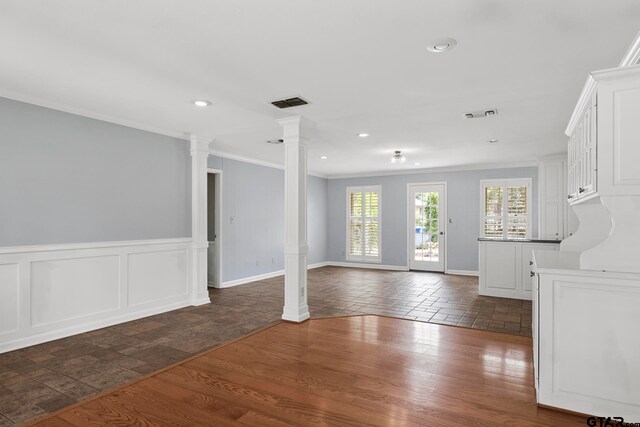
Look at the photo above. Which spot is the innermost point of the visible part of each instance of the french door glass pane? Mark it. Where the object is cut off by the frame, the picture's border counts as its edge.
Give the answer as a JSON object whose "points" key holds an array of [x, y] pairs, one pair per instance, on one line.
{"points": [[426, 240]]}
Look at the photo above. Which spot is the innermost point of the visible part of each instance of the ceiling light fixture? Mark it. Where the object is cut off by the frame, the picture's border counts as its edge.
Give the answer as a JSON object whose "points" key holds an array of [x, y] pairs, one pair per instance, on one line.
{"points": [[493, 141], [201, 103], [398, 157], [363, 135], [416, 164], [323, 157], [442, 45]]}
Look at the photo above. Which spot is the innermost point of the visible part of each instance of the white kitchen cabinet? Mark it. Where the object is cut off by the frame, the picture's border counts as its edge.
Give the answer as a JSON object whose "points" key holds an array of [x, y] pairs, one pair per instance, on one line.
{"points": [[603, 136], [556, 219], [505, 266], [585, 340]]}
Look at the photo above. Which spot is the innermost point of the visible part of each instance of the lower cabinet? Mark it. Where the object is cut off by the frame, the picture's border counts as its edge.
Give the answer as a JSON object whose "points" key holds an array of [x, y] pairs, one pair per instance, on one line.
{"points": [[505, 267], [586, 344]]}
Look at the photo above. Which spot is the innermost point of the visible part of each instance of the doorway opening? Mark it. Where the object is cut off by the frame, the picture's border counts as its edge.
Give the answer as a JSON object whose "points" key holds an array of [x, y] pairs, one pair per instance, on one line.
{"points": [[214, 229], [427, 204]]}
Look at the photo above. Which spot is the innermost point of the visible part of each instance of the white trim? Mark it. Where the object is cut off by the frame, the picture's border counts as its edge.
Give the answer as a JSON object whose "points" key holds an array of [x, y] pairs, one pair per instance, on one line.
{"points": [[92, 245], [368, 265], [445, 218], [479, 166], [463, 272], [245, 280], [257, 162], [364, 189], [506, 182], [87, 327], [218, 226], [632, 56], [91, 115], [131, 278]]}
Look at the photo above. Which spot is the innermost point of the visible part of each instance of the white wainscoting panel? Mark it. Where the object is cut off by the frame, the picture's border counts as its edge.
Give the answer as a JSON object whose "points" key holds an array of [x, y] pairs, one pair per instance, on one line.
{"points": [[9, 291], [72, 288], [53, 291], [165, 271]]}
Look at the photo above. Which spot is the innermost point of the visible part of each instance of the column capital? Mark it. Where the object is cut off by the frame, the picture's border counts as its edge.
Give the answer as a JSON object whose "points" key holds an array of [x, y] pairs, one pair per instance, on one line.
{"points": [[199, 145], [296, 128]]}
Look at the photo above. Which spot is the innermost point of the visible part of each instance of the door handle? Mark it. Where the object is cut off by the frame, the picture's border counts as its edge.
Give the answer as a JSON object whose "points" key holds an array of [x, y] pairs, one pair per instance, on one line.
{"points": [[442, 233]]}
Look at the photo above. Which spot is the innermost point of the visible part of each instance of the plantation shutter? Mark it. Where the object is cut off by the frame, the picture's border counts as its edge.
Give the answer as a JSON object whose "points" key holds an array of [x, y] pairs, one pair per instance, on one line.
{"points": [[363, 223], [506, 209]]}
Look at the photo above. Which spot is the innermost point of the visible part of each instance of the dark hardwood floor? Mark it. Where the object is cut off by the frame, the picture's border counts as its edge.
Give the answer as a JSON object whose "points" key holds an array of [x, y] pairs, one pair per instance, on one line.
{"points": [[41, 379], [350, 371]]}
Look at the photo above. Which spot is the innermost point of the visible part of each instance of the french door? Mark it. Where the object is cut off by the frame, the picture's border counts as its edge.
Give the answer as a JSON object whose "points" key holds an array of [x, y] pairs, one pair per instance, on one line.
{"points": [[426, 207]]}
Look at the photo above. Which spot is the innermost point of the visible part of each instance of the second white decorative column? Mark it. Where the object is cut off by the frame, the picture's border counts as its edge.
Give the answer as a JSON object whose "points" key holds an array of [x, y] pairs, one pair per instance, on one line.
{"points": [[295, 134], [199, 155]]}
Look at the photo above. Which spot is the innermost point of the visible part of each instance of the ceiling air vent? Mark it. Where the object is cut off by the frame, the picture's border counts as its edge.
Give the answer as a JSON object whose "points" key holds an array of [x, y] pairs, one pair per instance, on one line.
{"points": [[290, 102], [483, 113]]}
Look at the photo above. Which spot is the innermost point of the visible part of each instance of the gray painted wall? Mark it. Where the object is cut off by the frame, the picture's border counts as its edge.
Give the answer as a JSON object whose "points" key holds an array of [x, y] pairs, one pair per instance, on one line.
{"points": [[253, 243], [70, 179], [463, 208]]}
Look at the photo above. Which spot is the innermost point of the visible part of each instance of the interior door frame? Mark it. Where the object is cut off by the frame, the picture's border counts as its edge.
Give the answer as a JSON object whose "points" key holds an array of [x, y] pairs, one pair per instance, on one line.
{"points": [[445, 217], [218, 226]]}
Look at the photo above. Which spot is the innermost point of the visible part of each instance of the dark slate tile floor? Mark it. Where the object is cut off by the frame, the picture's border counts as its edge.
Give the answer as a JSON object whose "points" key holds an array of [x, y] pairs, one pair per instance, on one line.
{"points": [[41, 379]]}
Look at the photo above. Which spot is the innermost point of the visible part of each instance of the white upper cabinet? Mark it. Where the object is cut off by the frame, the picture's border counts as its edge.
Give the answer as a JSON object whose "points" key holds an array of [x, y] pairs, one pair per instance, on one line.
{"points": [[604, 136]]}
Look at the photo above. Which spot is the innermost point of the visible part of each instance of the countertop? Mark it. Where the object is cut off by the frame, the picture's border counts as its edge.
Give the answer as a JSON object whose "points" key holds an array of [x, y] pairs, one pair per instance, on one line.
{"points": [[489, 239], [568, 263]]}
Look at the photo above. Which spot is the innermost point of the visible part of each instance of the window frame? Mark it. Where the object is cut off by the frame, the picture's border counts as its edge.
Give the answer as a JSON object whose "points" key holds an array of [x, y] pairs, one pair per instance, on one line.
{"points": [[363, 258], [504, 183]]}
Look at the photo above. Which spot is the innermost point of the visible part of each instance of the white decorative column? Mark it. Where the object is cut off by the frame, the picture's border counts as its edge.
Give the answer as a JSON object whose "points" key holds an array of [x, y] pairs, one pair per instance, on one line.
{"points": [[296, 131], [199, 152]]}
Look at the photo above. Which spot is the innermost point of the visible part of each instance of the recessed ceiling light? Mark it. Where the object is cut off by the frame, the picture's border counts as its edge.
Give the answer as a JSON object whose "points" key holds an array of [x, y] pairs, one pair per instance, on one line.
{"points": [[416, 164], [442, 45], [201, 103], [323, 157], [493, 141], [363, 135]]}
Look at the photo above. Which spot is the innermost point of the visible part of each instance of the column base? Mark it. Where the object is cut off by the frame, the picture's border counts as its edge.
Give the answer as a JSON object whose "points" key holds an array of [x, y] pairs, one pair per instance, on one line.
{"points": [[296, 314]]}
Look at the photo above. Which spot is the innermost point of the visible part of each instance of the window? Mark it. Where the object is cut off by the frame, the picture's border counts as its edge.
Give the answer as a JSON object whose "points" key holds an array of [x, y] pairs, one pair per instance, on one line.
{"points": [[506, 208], [363, 223]]}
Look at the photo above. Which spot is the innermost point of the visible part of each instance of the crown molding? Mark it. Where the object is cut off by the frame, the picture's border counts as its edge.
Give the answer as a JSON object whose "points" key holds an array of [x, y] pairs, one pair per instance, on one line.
{"points": [[590, 85], [479, 166], [632, 57], [583, 99], [91, 114], [253, 161]]}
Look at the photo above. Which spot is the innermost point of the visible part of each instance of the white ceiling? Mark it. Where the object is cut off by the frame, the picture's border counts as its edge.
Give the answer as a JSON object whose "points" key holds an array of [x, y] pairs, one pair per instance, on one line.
{"points": [[362, 64]]}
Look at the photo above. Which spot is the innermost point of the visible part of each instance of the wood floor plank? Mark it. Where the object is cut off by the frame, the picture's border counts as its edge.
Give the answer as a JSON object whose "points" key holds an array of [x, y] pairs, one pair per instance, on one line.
{"points": [[350, 371]]}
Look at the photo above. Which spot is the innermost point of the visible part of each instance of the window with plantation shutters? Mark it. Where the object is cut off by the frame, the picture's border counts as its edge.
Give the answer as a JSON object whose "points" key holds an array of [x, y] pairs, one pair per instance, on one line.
{"points": [[506, 209], [363, 224]]}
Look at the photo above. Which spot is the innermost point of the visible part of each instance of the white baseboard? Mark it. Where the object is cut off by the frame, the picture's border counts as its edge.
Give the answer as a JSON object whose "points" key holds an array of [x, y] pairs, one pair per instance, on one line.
{"points": [[318, 265], [463, 272], [244, 280], [368, 266], [87, 327]]}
